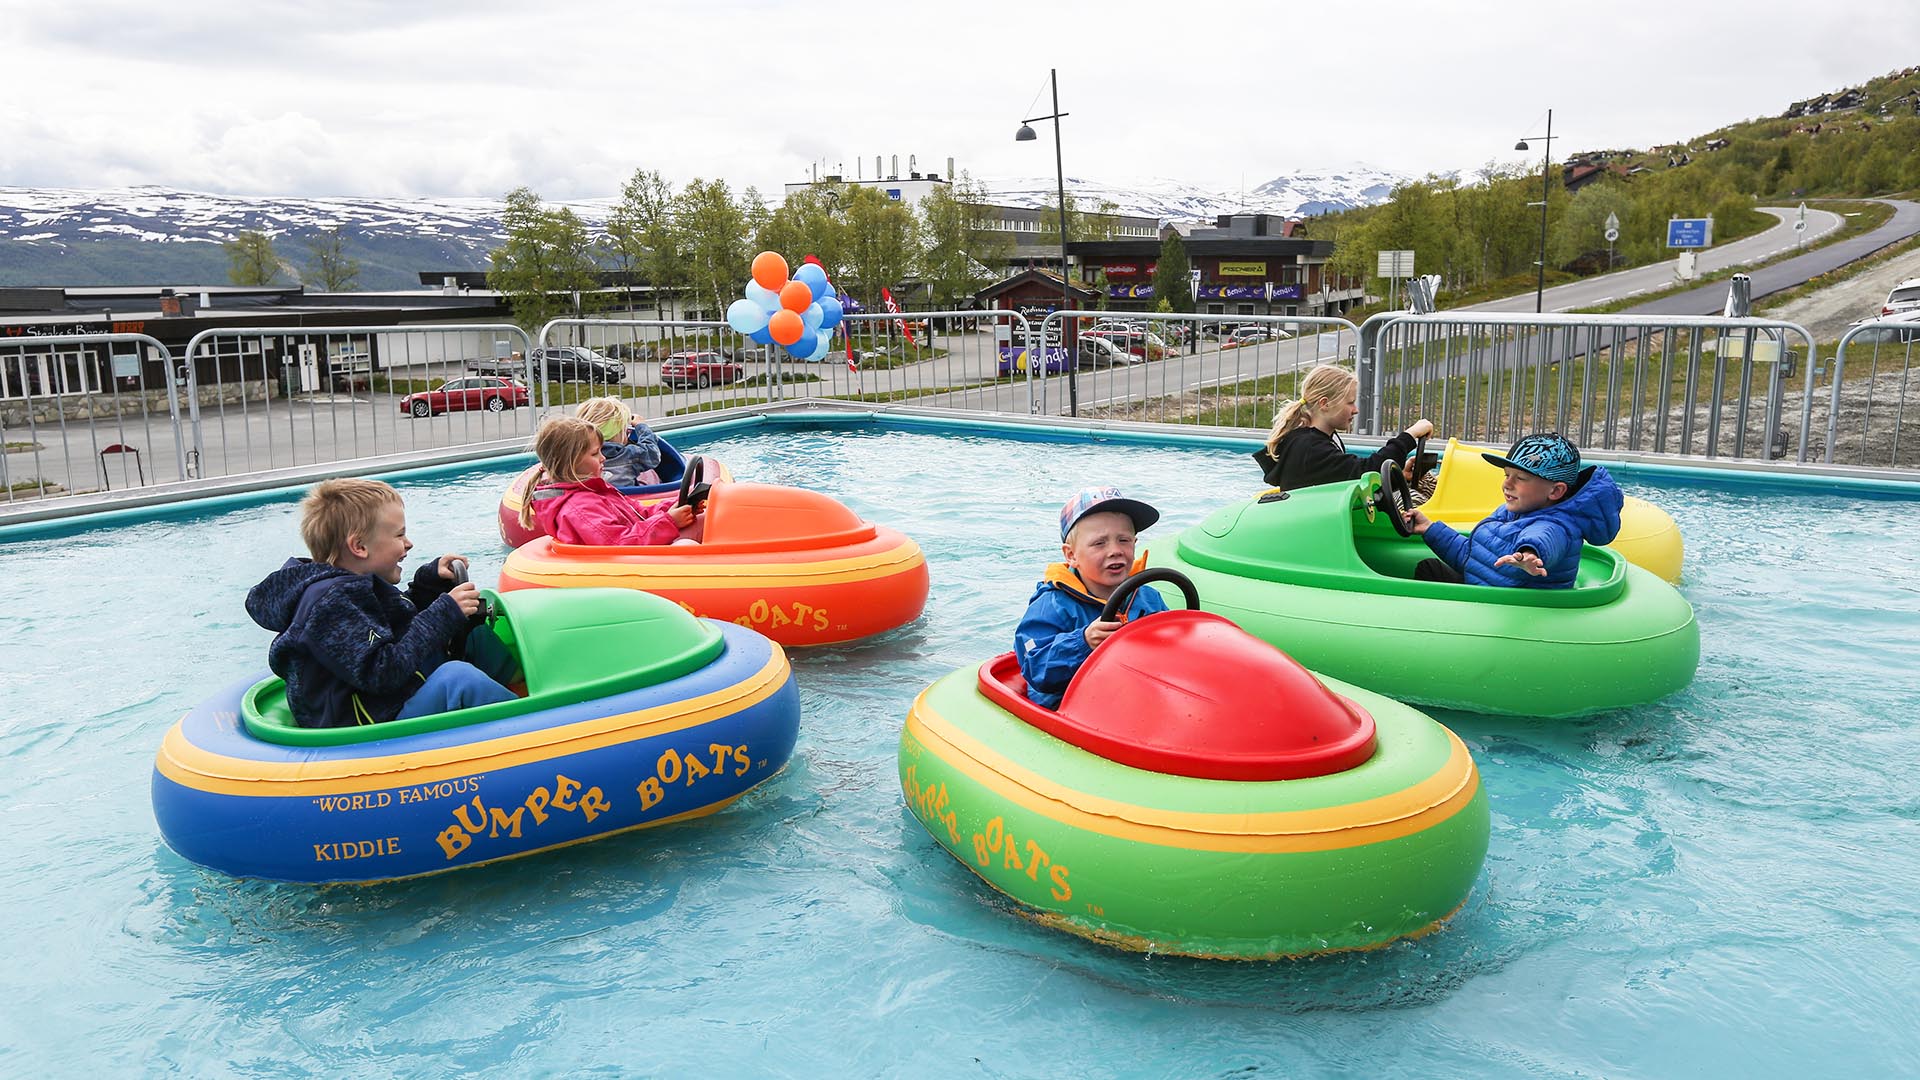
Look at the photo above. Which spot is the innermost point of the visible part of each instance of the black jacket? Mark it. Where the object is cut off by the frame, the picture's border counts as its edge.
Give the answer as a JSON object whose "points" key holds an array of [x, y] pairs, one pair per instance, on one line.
{"points": [[1308, 457], [353, 648]]}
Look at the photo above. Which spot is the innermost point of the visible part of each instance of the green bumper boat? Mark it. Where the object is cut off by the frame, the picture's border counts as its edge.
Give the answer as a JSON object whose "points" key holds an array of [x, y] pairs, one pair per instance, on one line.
{"points": [[1324, 574]]}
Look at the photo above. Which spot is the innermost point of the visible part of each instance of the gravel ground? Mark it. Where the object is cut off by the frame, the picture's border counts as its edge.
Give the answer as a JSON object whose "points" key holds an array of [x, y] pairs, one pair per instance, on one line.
{"points": [[1829, 311]]}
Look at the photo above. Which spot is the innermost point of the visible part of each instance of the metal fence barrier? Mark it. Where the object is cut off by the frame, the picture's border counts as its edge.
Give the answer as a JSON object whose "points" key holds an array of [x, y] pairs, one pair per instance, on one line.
{"points": [[1218, 370], [1708, 386], [949, 359], [97, 412], [71, 402], [1874, 400]]}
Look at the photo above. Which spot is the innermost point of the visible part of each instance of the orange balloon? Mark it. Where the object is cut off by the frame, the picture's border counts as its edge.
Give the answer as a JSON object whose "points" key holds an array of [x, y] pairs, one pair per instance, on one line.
{"points": [[785, 327], [770, 270], [795, 296]]}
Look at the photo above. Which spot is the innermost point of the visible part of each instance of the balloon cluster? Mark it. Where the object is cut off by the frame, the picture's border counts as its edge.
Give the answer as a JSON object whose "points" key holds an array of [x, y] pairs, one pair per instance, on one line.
{"points": [[797, 313]]}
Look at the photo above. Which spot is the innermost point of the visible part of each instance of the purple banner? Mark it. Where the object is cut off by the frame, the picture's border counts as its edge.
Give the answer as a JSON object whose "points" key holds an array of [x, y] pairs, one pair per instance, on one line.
{"points": [[1215, 292], [1013, 360]]}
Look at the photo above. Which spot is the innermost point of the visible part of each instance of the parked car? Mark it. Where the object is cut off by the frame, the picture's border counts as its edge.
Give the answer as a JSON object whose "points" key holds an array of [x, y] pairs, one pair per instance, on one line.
{"points": [[1099, 351], [1141, 344], [700, 369], [493, 393], [1253, 335], [1906, 333], [573, 363], [1903, 297]]}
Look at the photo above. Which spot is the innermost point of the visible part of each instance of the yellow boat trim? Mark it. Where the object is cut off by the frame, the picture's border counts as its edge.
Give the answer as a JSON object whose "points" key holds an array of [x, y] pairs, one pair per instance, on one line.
{"points": [[718, 575], [191, 766], [1402, 813]]}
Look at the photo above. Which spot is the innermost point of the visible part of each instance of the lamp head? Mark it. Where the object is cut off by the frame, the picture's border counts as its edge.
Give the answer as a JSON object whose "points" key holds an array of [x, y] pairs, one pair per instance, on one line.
{"points": [[1521, 145], [1025, 134]]}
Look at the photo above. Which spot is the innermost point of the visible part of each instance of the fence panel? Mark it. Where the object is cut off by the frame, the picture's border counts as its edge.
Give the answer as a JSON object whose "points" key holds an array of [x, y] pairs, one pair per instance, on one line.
{"points": [[945, 359], [1869, 403], [282, 396], [1707, 386], [87, 412]]}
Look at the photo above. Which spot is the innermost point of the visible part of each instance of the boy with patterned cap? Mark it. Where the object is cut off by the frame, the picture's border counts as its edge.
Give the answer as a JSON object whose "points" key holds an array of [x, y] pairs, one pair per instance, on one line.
{"points": [[1553, 505], [1062, 626]]}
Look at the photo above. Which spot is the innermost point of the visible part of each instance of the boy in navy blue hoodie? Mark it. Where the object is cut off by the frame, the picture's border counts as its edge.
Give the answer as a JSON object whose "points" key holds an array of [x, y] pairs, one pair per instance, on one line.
{"points": [[1062, 626], [1552, 507], [354, 649]]}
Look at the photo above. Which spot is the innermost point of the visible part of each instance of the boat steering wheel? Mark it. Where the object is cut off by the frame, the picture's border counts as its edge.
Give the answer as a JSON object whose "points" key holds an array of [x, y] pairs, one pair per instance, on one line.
{"points": [[1122, 597], [457, 648], [693, 486], [1395, 497], [1418, 462]]}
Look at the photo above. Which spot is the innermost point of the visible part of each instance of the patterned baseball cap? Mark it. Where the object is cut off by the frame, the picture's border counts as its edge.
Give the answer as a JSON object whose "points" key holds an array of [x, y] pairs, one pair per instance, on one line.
{"points": [[1550, 457], [1101, 500]]}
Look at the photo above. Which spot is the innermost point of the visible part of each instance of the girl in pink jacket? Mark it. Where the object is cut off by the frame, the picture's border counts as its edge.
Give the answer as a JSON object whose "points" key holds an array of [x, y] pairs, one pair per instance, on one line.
{"points": [[575, 506]]}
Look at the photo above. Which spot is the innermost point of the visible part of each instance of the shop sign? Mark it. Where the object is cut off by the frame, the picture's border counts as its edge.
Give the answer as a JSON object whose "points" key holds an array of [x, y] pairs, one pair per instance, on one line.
{"points": [[1243, 269]]}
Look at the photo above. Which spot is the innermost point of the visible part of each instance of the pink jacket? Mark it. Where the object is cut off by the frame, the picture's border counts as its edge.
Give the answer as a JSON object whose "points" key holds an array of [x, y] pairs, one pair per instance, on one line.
{"points": [[592, 512]]}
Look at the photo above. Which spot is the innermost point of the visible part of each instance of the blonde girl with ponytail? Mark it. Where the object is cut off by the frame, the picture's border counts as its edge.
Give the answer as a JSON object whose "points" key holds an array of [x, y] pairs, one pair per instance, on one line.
{"points": [[1304, 449]]}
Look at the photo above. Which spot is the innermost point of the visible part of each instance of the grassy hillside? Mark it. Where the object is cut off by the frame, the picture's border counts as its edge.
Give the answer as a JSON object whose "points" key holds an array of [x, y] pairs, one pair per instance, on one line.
{"points": [[1857, 142]]}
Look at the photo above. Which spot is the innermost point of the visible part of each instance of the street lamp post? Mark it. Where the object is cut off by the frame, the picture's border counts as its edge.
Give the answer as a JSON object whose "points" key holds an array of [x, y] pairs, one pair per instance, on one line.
{"points": [[1546, 165], [1026, 134]]}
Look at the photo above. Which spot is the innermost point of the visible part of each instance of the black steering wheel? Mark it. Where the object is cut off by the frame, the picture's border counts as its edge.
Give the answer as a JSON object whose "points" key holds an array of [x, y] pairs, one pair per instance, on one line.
{"points": [[1395, 497], [457, 648], [693, 486], [1418, 461], [1122, 597]]}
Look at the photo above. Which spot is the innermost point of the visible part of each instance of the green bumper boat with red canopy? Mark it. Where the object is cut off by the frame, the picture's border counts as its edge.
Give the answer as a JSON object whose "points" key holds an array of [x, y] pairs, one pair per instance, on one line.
{"points": [[1199, 793]]}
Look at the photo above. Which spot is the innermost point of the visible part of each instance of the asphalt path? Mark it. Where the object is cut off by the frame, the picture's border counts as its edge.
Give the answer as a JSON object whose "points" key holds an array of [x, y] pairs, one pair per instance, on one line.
{"points": [[1788, 273], [1606, 288]]}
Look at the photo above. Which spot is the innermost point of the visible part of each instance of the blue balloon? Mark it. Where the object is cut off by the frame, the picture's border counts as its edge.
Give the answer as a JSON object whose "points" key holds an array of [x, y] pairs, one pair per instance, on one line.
{"points": [[812, 316], [830, 312], [768, 300], [806, 344], [814, 277], [745, 316], [762, 336], [820, 351]]}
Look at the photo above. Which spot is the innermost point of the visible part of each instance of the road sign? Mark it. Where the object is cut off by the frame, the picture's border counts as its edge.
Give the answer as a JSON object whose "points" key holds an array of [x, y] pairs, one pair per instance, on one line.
{"points": [[1395, 264], [1690, 232], [1612, 234], [1613, 223], [1800, 226]]}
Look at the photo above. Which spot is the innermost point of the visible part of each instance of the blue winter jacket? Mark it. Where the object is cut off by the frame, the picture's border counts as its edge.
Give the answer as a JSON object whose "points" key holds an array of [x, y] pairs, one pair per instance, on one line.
{"points": [[637, 452], [352, 647], [1555, 533], [1051, 640]]}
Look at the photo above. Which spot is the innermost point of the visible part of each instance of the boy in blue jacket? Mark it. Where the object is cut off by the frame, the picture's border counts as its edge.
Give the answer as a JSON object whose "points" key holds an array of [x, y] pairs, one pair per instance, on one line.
{"points": [[353, 648], [1062, 626], [1552, 507]]}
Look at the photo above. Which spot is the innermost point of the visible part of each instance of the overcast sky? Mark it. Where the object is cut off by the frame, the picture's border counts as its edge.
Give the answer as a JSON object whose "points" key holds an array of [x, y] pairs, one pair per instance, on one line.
{"points": [[354, 97]]}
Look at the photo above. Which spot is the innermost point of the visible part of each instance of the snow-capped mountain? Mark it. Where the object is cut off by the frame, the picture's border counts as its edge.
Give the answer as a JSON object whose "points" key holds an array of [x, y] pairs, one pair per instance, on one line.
{"points": [[154, 235], [1302, 193]]}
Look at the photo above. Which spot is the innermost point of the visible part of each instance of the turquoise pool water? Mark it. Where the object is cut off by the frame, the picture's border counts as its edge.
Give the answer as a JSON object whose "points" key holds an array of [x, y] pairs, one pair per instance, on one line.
{"points": [[1726, 883]]}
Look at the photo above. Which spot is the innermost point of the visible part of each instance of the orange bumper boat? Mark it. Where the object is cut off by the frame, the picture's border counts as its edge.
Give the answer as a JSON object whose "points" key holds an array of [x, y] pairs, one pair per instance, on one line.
{"points": [[793, 564]]}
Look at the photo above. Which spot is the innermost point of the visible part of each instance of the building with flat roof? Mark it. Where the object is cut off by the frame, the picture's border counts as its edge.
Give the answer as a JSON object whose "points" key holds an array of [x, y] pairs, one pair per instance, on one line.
{"points": [[1248, 264]]}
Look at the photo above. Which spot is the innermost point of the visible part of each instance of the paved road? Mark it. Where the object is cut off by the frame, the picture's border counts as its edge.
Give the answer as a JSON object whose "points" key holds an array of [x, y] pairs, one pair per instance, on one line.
{"points": [[1606, 288], [1712, 299]]}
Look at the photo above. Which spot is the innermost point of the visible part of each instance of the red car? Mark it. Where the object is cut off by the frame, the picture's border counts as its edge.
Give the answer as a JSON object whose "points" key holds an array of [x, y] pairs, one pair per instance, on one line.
{"points": [[489, 392], [701, 369]]}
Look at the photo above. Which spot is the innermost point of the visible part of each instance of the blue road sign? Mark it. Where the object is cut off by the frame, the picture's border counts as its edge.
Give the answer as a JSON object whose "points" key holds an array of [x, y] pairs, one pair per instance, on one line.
{"points": [[1690, 232]]}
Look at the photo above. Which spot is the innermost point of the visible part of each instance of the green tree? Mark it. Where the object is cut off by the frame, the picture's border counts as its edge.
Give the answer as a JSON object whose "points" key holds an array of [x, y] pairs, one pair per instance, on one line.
{"points": [[883, 243], [251, 260], [1584, 225], [961, 250], [1100, 221], [546, 268], [640, 234], [713, 237], [809, 222], [328, 264], [1172, 277]]}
